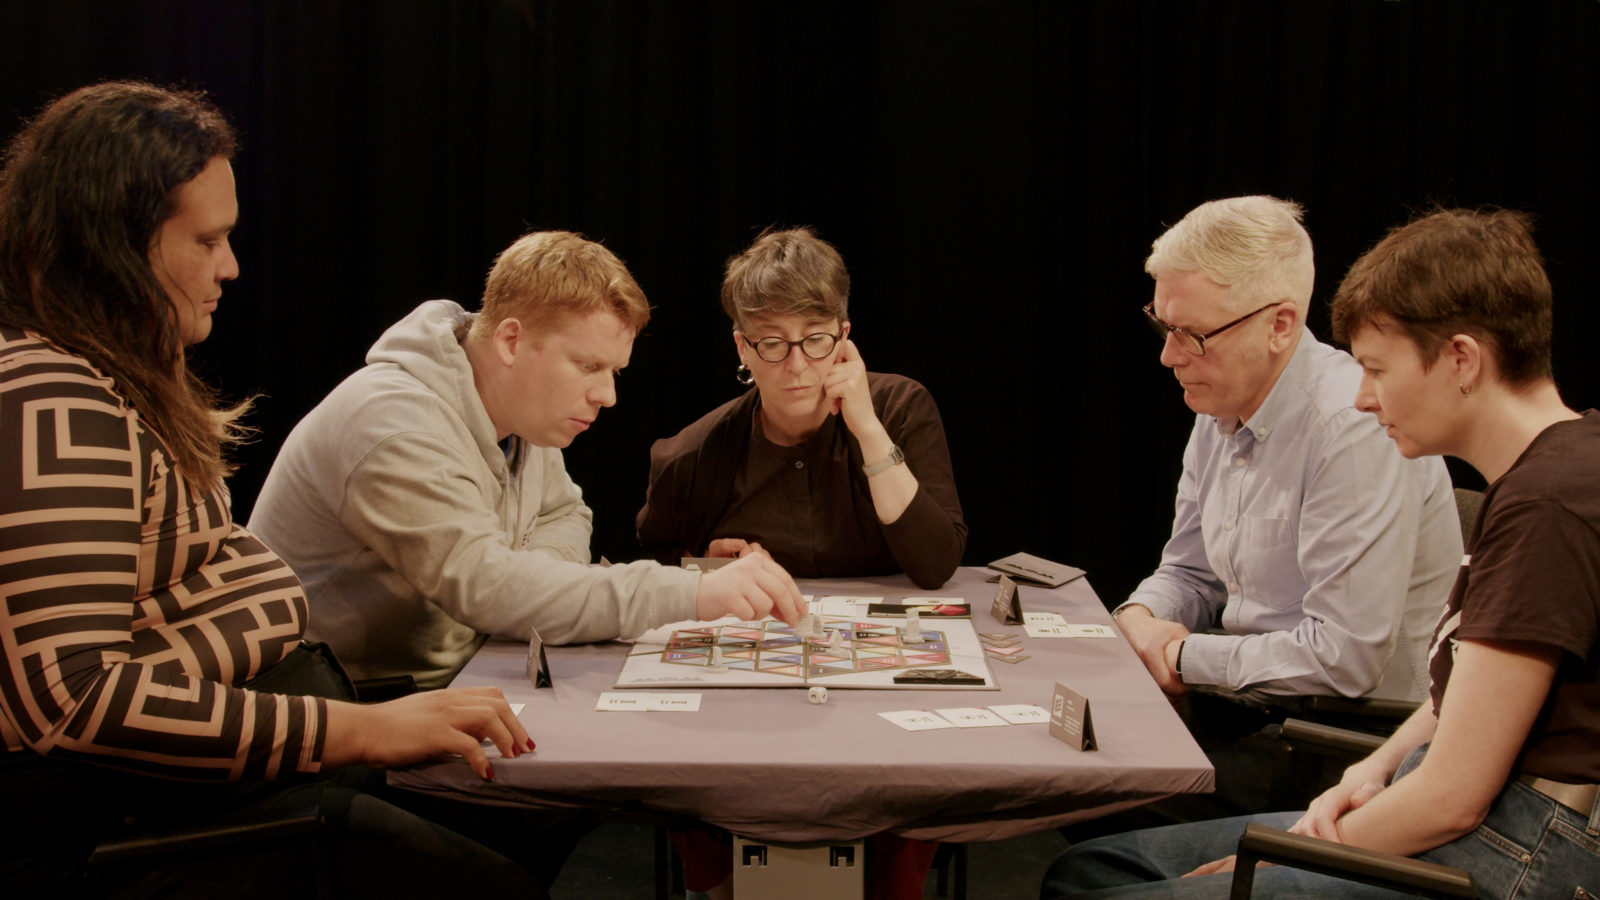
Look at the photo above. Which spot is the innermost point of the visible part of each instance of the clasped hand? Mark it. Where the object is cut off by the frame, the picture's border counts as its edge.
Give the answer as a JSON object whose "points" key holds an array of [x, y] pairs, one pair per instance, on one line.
{"points": [[1321, 818], [1151, 638]]}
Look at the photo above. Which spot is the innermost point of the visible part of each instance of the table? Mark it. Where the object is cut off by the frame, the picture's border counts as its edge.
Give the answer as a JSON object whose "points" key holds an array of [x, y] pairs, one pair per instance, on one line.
{"points": [[766, 764]]}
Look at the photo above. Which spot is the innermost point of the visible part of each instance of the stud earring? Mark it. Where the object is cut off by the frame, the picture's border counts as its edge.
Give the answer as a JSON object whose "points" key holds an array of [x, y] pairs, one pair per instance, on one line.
{"points": [[743, 375]]}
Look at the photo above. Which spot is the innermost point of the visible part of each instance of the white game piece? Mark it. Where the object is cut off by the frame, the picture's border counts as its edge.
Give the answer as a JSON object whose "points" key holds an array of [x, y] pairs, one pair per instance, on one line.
{"points": [[836, 643], [804, 627], [817, 695], [716, 664], [913, 627], [818, 630]]}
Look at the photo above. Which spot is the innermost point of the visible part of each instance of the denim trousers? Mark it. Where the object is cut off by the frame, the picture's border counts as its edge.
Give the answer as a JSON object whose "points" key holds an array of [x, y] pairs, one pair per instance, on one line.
{"points": [[1528, 846]]}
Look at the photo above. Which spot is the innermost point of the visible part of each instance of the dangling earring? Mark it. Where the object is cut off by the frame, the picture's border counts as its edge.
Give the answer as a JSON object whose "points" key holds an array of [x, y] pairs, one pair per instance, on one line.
{"points": [[1465, 391], [743, 375]]}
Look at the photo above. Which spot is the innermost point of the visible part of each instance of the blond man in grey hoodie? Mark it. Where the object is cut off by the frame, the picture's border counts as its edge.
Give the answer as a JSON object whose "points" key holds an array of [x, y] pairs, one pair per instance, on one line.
{"points": [[425, 503]]}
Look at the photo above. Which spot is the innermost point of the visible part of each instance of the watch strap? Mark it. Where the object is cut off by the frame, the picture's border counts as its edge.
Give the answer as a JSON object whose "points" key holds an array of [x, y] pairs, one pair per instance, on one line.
{"points": [[894, 458]]}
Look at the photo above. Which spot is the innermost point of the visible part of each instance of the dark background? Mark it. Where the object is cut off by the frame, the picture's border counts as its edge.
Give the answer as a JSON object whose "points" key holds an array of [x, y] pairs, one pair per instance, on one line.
{"points": [[993, 172]]}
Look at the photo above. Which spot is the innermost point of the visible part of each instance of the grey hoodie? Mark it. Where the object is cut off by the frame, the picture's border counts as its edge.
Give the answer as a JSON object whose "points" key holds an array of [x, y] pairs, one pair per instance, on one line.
{"points": [[417, 537]]}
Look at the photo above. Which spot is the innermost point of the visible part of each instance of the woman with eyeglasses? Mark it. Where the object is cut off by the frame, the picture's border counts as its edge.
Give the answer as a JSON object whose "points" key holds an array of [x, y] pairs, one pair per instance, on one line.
{"points": [[832, 470], [1497, 772], [829, 468]]}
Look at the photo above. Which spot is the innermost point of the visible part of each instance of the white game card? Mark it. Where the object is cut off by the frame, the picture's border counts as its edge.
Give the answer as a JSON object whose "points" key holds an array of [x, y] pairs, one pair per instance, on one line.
{"points": [[675, 702], [1022, 713], [1092, 631], [622, 701], [916, 719], [1043, 618], [1048, 631], [842, 607], [971, 717]]}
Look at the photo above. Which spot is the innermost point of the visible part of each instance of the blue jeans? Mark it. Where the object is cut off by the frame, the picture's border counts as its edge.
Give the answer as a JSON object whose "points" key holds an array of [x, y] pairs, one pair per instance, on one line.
{"points": [[1529, 846]]}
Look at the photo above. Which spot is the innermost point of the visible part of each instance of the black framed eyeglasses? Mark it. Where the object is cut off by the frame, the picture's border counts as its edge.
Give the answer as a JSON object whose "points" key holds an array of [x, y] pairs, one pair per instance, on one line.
{"points": [[1195, 343], [776, 349]]}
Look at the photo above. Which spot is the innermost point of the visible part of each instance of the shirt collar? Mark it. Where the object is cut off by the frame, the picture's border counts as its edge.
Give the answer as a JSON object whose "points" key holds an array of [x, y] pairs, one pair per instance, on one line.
{"points": [[1286, 395], [809, 446]]}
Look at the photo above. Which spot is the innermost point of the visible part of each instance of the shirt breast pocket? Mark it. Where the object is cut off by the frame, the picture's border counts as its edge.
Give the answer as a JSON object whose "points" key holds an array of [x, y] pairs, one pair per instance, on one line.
{"points": [[1267, 558]]}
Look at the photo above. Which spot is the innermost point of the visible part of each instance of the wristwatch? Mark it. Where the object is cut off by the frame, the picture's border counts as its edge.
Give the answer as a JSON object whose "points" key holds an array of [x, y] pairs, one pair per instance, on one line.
{"points": [[894, 458]]}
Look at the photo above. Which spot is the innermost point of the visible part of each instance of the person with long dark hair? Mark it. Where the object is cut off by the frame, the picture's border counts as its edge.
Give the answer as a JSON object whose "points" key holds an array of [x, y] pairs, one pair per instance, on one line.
{"points": [[151, 669]]}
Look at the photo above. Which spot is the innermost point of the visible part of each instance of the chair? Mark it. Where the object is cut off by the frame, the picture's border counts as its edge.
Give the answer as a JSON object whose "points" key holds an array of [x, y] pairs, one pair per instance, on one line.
{"points": [[950, 858], [306, 829], [1414, 876], [311, 669], [1468, 502]]}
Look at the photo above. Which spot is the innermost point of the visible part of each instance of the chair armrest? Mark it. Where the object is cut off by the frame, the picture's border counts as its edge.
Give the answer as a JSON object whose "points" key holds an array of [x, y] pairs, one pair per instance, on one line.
{"points": [[1299, 731], [1362, 707], [1262, 844], [194, 840]]}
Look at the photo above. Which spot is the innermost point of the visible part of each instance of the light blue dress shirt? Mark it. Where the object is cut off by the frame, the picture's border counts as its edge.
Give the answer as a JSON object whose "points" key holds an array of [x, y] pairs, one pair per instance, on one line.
{"points": [[1325, 555]]}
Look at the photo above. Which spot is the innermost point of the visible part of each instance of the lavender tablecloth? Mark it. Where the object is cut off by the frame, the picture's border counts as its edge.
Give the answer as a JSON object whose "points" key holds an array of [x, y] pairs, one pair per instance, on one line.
{"points": [[766, 764]]}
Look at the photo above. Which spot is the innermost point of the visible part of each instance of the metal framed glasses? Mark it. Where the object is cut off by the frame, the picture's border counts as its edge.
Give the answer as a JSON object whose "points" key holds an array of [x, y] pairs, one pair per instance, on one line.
{"points": [[776, 349], [1195, 343]]}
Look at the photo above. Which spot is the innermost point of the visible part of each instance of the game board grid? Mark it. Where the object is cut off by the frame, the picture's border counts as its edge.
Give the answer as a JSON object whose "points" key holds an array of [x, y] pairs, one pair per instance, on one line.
{"points": [[772, 649]]}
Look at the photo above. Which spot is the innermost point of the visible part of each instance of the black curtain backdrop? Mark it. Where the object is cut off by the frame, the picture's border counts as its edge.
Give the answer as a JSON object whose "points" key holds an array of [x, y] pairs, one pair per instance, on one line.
{"points": [[993, 172]]}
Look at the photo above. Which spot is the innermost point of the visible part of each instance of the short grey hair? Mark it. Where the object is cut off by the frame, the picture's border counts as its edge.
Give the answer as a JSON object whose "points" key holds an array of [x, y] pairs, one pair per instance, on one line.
{"points": [[1254, 244]]}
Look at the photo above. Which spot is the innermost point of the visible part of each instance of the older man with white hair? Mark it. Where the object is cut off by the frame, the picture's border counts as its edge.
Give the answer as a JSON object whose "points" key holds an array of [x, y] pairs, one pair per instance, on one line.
{"points": [[1307, 557]]}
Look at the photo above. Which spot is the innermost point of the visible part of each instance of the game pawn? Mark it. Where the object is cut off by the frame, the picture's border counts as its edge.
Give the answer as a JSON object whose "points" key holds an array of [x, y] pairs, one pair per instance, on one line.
{"points": [[715, 664], [913, 627], [836, 642]]}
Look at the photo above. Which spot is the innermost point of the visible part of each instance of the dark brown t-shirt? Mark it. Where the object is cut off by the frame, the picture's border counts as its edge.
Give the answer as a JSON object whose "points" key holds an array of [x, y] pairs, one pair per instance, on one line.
{"points": [[1533, 574]]}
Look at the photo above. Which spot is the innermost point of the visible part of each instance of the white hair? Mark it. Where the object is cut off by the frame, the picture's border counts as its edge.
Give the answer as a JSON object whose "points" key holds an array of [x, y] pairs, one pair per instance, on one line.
{"points": [[1254, 244]]}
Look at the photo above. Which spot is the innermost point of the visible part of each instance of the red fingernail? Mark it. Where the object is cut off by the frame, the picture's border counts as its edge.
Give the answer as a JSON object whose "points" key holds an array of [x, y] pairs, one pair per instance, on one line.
{"points": [[490, 770], [530, 743]]}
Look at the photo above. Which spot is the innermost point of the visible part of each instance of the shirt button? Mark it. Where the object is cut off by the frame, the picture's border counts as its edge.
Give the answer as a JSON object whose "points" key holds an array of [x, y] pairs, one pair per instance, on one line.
{"points": [[1238, 460], [1233, 587], [1228, 525], [799, 464]]}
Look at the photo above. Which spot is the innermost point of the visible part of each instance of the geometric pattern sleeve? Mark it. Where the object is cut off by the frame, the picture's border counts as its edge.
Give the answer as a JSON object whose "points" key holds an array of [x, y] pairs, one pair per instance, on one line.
{"points": [[130, 604]]}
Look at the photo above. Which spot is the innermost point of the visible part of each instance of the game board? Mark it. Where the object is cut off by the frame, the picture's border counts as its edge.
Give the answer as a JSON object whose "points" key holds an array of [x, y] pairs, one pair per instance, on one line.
{"points": [[768, 653]]}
